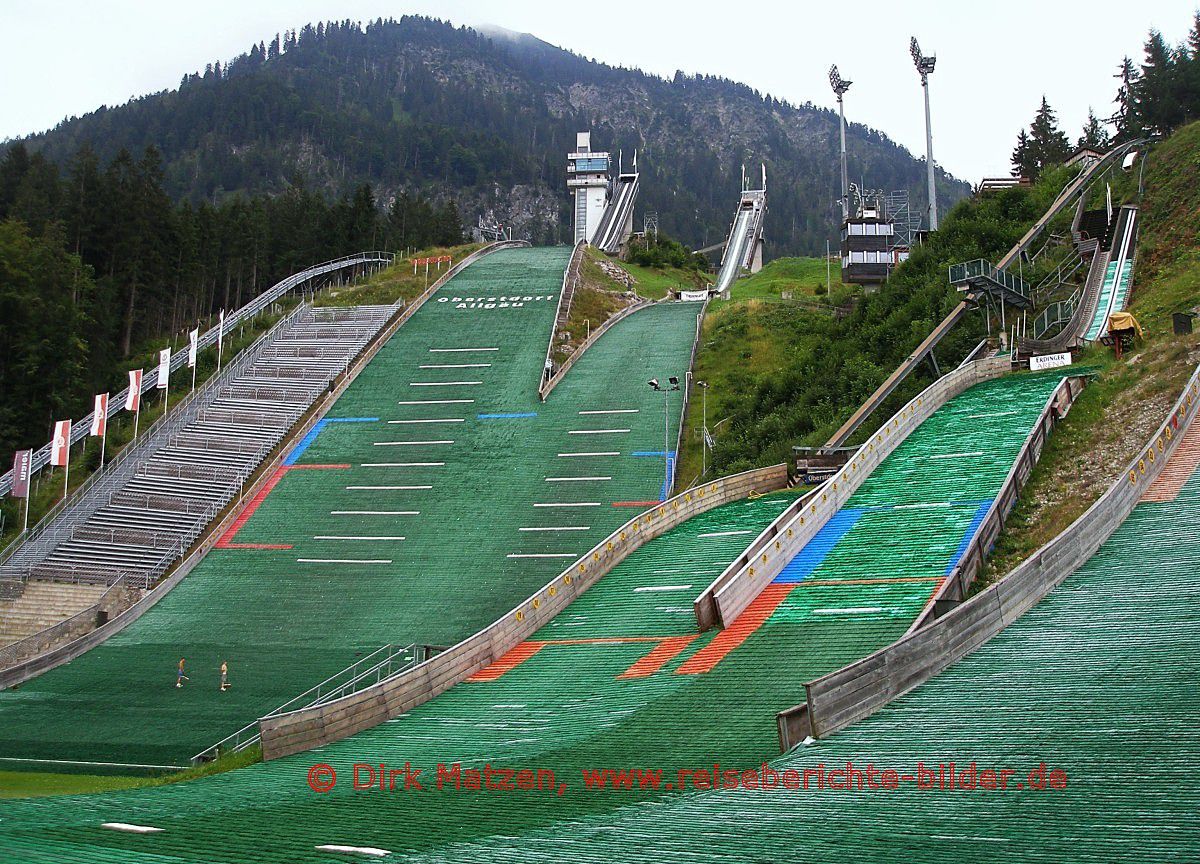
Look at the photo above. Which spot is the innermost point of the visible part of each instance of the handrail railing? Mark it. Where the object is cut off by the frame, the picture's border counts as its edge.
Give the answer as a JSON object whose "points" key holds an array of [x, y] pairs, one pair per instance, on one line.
{"points": [[981, 268], [359, 672], [116, 403]]}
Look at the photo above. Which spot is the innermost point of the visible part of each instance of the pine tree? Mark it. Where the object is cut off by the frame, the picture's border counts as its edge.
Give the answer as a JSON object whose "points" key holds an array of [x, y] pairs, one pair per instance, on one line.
{"points": [[1155, 103], [1022, 156], [1123, 118], [1044, 145], [1094, 136]]}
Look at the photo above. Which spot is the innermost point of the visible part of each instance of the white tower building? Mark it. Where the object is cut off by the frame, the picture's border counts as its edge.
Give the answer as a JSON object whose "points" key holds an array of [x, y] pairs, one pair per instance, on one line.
{"points": [[587, 177]]}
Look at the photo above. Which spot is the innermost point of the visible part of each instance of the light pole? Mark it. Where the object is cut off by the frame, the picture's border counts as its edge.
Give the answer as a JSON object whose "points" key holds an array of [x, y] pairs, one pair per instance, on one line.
{"points": [[703, 385], [673, 383], [925, 68], [840, 87]]}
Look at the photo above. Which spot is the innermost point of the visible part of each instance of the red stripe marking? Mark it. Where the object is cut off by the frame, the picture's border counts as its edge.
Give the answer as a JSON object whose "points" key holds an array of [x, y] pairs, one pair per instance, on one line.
{"points": [[752, 617], [666, 650], [225, 542], [511, 660], [636, 503], [257, 546]]}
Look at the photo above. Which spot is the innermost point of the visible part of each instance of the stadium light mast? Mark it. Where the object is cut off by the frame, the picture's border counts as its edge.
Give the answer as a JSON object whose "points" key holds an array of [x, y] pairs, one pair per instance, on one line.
{"points": [[840, 86], [925, 68]]}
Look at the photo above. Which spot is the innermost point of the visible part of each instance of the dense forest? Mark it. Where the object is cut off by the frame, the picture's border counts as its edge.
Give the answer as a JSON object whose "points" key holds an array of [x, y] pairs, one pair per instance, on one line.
{"points": [[419, 105], [95, 260]]}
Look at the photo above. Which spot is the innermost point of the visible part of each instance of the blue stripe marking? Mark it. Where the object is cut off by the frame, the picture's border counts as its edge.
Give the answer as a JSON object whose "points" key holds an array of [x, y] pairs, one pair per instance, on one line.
{"points": [[306, 442], [817, 549], [663, 492], [980, 514], [658, 453], [507, 416]]}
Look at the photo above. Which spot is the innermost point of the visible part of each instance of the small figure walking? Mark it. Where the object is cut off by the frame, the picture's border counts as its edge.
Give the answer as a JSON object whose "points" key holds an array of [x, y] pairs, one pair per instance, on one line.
{"points": [[179, 676], [224, 676]]}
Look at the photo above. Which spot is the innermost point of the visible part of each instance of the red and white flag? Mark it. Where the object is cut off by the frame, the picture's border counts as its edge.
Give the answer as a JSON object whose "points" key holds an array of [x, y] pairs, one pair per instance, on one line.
{"points": [[133, 401], [61, 444], [164, 369], [99, 415]]}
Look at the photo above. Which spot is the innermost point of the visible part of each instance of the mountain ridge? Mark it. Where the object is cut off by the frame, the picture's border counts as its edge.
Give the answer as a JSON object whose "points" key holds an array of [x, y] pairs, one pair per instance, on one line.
{"points": [[420, 105]]}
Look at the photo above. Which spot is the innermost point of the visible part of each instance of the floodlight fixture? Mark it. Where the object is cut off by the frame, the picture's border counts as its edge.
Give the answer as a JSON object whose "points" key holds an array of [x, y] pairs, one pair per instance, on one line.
{"points": [[653, 382], [924, 66], [839, 84]]}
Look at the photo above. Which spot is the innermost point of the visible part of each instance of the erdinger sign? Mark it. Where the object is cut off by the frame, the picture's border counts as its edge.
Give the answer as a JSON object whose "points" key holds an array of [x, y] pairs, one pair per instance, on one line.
{"points": [[1050, 361]]}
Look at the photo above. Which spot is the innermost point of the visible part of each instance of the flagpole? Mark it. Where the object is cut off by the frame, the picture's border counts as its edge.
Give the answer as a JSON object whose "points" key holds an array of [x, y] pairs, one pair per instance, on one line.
{"points": [[67, 467], [137, 415], [104, 438], [25, 527]]}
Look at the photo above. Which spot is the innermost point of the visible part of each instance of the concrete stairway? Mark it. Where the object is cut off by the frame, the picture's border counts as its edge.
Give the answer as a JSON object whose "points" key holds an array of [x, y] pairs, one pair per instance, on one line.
{"points": [[43, 604]]}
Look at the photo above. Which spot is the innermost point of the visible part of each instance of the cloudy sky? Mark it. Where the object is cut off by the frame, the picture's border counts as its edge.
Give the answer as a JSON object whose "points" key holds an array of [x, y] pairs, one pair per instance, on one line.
{"points": [[995, 60]]}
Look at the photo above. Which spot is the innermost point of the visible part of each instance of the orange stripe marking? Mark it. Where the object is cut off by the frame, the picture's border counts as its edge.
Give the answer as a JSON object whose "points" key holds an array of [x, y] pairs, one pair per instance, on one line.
{"points": [[511, 660], [752, 617], [1178, 470], [666, 650]]}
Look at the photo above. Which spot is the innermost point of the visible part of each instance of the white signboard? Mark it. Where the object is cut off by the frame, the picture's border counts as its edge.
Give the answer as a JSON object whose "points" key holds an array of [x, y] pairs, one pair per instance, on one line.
{"points": [[1050, 361], [693, 296]]}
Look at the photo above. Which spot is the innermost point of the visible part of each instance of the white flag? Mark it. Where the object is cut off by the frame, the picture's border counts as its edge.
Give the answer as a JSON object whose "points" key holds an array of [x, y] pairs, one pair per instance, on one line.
{"points": [[134, 400], [193, 338], [164, 368], [100, 415], [220, 329], [61, 444]]}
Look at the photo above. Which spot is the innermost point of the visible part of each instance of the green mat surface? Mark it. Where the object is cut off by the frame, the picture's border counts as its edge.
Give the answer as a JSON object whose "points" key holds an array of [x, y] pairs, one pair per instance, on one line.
{"points": [[285, 624], [572, 705]]}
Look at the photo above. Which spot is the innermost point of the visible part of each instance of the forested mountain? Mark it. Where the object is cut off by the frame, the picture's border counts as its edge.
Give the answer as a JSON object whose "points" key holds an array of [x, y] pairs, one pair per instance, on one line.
{"points": [[421, 106]]}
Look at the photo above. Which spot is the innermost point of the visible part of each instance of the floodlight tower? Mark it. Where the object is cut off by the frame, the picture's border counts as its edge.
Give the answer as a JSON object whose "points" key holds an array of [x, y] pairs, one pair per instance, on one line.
{"points": [[840, 87], [925, 67]]}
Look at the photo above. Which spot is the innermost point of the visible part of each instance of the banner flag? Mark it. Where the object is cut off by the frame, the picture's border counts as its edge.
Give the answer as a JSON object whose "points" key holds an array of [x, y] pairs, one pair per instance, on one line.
{"points": [[22, 463], [61, 444], [164, 368], [134, 400], [193, 338], [100, 415]]}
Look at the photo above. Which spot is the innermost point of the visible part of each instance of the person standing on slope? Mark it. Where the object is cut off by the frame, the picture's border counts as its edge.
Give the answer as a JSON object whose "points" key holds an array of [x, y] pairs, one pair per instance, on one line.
{"points": [[179, 676]]}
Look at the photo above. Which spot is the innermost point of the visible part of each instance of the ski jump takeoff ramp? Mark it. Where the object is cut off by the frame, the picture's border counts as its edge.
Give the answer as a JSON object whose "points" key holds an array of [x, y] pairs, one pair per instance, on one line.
{"points": [[437, 492]]}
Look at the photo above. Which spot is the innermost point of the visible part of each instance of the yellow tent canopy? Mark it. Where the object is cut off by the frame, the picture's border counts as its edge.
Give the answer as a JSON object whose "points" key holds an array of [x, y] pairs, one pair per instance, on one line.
{"points": [[1124, 321]]}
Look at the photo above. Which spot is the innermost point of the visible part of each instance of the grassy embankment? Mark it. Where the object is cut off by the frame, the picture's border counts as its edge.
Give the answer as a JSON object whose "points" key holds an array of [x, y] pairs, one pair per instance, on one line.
{"points": [[748, 337], [33, 784]]}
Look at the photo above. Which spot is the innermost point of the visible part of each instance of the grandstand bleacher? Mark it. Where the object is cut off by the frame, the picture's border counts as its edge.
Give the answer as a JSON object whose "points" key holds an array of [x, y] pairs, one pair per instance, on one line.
{"points": [[419, 509], [145, 516], [620, 679]]}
